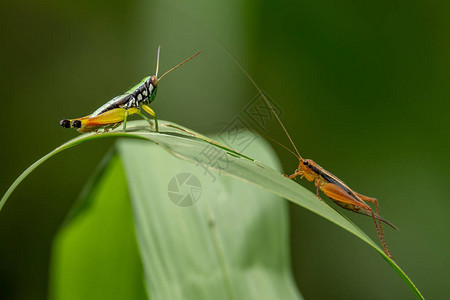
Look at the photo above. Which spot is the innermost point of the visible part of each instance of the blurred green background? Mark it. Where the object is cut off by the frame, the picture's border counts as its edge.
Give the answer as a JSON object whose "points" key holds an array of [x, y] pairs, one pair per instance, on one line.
{"points": [[363, 87]]}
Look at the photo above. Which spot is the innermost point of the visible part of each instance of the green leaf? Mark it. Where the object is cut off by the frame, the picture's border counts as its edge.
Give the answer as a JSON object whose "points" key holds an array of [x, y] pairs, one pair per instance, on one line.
{"points": [[95, 256], [188, 145], [233, 243]]}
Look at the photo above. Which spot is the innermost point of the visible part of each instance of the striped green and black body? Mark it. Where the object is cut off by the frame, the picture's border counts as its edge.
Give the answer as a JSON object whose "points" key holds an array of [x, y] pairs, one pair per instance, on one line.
{"points": [[116, 111], [143, 93]]}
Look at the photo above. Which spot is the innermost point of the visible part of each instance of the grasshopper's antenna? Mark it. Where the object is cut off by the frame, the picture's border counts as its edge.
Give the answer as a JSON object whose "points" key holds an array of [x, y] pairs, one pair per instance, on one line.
{"points": [[262, 95], [180, 64], [157, 61], [246, 73]]}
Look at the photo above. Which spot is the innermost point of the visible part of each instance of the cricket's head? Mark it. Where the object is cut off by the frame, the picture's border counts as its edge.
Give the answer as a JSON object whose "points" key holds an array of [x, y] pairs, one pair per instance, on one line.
{"points": [[306, 167]]}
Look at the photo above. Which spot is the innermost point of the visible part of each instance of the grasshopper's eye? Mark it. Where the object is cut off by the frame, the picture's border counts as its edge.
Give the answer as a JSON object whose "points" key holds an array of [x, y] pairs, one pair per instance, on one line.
{"points": [[76, 123], [154, 80], [305, 162], [65, 123]]}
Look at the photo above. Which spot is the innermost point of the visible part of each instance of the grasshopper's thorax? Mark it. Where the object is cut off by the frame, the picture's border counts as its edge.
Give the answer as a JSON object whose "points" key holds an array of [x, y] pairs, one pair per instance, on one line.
{"points": [[146, 91], [143, 93]]}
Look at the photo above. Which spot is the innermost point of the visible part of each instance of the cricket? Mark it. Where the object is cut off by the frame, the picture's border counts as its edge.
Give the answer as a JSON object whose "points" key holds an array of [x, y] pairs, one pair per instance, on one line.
{"points": [[329, 184], [117, 110]]}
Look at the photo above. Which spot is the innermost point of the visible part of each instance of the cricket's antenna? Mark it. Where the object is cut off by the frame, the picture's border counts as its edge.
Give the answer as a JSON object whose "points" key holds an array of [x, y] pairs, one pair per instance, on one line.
{"points": [[277, 142], [292, 152], [245, 72], [157, 61], [262, 95], [180, 64]]}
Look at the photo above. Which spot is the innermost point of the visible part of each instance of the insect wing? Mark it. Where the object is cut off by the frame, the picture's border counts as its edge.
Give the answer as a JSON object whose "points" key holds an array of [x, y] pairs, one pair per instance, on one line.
{"points": [[116, 102]]}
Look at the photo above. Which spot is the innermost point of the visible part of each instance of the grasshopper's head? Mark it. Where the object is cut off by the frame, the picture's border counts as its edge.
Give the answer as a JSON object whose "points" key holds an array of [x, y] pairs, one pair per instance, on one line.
{"points": [[154, 80], [152, 84]]}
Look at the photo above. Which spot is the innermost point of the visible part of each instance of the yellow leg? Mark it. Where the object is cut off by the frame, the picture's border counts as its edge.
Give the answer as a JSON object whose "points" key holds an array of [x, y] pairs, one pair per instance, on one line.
{"points": [[151, 112]]}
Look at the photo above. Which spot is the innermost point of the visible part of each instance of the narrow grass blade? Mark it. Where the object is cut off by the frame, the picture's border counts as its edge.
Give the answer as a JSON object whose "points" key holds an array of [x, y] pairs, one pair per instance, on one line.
{"points": [[189, 145]]}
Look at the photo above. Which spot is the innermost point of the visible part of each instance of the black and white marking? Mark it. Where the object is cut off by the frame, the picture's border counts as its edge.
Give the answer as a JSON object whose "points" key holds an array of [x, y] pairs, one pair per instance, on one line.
{"points": [[141, 94]]}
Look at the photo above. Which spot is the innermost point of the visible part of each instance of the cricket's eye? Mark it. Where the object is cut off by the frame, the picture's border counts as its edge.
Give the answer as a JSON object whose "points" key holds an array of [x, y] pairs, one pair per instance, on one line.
{"points": [[65, 123], [76, 123], [154, 80], [305, 162]]}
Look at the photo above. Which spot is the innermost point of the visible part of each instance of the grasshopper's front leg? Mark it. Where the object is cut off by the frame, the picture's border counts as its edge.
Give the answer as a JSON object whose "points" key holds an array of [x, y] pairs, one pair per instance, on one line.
{"points": [[151, 112], [145, 118]]}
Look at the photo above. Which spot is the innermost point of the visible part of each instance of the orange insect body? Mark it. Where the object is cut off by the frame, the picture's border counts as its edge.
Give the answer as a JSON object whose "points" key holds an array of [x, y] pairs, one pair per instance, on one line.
{"points": [[329, 184], [106, 121], [341, 194], [336, 189]]}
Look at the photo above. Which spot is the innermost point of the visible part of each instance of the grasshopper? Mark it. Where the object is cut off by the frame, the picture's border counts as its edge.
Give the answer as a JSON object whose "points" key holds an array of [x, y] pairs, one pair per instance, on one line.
{"points": [[116, 111]]}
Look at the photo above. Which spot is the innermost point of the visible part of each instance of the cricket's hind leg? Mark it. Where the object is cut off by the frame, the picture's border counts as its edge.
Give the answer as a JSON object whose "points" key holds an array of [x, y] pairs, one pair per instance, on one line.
{"points": [[340, 196]]}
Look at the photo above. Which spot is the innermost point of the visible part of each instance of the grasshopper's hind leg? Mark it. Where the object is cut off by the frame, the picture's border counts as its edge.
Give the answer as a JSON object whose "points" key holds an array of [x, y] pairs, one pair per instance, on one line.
{"points": [[151, 112]]}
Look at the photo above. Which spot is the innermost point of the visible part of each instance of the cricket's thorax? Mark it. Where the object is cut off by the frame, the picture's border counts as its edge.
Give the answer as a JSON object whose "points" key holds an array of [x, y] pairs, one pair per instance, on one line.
{"points": [[311, 170], [144, 93]]}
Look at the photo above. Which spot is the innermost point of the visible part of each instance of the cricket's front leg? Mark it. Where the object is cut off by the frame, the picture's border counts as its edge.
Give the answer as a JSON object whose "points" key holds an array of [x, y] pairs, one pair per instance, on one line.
{"points": [[294, 175]]}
